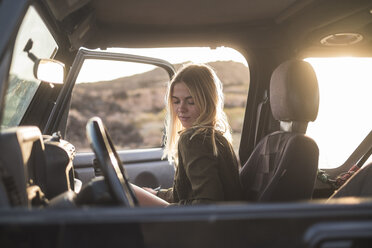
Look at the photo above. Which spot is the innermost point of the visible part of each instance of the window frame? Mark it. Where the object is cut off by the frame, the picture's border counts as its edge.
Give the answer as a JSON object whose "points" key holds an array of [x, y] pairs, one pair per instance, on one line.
{"points": [[56, 119]]}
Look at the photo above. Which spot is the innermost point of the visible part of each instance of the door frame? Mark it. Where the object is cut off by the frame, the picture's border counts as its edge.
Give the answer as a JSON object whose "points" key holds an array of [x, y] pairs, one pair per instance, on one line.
{"points": [[58, 118]]}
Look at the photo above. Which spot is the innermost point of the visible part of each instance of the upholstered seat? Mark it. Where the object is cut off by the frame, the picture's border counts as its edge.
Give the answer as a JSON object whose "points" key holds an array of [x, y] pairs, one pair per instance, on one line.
{"points": [[284, 164]]}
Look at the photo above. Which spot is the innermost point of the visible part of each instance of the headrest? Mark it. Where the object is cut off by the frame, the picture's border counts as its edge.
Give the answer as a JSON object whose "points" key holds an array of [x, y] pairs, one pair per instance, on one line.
{"points": [[294, 92]]}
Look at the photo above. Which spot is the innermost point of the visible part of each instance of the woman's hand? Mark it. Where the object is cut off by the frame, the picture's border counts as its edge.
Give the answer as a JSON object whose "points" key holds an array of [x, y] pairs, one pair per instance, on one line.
{"points": [[152, 191], [148, 198]]}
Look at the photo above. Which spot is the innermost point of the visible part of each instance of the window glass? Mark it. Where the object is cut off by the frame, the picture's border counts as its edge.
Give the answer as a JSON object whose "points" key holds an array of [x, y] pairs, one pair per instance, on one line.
{"points": [[130, 97], [131, 106], [22, 83], [344, 117]]}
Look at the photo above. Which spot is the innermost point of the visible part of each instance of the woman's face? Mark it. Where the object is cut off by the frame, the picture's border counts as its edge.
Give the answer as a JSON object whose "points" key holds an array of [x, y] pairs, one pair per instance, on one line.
{"points": [[184, 106]]}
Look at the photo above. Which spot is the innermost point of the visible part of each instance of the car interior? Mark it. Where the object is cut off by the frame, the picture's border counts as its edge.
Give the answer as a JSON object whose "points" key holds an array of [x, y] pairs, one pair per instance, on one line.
{"points": [[280, 157], [49, 186]]}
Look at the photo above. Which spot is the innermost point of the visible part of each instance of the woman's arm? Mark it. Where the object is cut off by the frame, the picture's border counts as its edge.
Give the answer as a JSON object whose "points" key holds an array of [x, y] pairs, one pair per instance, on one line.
{"points": [[202, 170], [146, 199], [165, 194]]}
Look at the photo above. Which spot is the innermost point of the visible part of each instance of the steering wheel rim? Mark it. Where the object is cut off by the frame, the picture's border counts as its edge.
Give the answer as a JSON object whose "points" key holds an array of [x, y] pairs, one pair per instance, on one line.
{"points": [[111, 166]]}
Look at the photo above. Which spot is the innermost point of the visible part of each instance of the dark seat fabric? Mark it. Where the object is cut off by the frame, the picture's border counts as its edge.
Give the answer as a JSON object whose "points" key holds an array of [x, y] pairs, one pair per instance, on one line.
{"points": [[284, 164], [281, 168], [359, 185]]}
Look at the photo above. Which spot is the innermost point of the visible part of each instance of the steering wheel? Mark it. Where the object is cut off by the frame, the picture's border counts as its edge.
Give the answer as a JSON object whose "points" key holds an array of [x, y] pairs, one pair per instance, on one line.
{"points": [[111, 166]]}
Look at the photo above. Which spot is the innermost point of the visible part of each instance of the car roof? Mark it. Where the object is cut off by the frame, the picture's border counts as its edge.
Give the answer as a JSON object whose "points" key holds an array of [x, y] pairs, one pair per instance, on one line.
{"points": [[302, 25]]}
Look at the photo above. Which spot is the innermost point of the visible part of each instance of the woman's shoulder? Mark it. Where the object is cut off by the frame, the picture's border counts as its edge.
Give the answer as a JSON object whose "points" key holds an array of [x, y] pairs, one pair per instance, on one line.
{"points": [[200, 135], [194, 142], [191, 134]]}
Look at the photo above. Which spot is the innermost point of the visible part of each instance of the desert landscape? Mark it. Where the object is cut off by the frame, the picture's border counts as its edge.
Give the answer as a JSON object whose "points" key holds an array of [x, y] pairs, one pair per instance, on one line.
{"points": [[132, 108]]}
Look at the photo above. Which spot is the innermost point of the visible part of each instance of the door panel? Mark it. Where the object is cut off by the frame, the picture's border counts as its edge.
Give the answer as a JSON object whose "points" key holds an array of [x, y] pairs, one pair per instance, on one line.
{"points": [[144, 167]]}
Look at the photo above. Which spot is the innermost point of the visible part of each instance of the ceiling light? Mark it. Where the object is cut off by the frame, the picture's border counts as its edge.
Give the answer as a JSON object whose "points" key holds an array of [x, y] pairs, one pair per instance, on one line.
{"points": [[341, 39]]}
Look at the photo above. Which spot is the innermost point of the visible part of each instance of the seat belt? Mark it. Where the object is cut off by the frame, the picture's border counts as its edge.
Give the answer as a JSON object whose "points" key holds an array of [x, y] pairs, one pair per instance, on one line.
{"points": [[262, 109], [359, 152], [355, 161], [343, 177]]}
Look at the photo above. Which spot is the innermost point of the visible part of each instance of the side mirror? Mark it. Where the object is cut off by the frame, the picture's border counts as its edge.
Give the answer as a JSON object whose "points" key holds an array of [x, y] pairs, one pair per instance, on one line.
{"points": [[46, 70], [49, 70]]}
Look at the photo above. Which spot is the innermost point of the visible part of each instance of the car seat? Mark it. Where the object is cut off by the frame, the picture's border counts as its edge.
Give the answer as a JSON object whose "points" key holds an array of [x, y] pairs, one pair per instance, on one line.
{"points": [[283, 165]]}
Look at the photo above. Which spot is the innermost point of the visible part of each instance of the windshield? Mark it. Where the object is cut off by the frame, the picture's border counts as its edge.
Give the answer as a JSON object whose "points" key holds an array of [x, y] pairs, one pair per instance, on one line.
{"points": [[22, 83]]}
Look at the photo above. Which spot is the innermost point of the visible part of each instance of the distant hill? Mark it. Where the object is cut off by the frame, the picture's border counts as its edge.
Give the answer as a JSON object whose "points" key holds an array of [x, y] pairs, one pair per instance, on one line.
{"points": [[133, 107]]}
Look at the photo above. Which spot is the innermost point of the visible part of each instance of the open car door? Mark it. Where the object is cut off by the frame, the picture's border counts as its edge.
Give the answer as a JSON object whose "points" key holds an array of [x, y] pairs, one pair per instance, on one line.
{"points": [[128, 102]]}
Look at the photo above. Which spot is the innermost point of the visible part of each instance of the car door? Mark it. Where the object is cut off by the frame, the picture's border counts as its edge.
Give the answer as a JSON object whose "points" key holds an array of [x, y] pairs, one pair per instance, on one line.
{"points": [[127, 104]]}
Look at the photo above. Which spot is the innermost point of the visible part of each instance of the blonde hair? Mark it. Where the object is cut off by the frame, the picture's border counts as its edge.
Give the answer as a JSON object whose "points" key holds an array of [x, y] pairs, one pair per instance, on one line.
{"points": [[206, 91]]}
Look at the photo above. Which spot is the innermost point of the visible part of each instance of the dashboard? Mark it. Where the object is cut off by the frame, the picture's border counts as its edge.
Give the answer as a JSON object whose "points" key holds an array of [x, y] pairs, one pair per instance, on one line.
{"points": [[35, 168]]}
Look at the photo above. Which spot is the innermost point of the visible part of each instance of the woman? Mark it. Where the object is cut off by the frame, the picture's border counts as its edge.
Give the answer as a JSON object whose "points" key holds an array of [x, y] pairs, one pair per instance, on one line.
{"points": [[198, 141]]}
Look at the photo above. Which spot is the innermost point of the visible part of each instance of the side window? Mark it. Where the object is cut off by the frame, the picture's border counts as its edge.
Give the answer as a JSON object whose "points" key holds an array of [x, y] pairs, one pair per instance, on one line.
{"points": [[22, 83], [130, 97], [344, 117], [131, 103]]}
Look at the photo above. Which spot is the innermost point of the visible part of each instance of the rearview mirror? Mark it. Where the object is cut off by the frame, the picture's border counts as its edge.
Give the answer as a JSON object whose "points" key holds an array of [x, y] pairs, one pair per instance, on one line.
{"points": [[49, 70]]}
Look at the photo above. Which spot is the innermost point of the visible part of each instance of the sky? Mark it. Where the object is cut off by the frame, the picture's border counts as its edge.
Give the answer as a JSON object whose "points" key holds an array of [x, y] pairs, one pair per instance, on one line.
{"points": [[172, 55]]}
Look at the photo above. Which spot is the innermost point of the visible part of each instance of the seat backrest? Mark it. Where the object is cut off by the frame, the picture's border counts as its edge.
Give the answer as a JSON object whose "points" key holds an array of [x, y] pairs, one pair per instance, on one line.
{"points": [[284, 164]]}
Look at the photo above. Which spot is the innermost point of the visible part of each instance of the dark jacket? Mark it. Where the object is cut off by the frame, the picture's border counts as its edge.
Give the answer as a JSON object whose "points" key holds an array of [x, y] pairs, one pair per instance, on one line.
{"points": [[202, 177]]}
